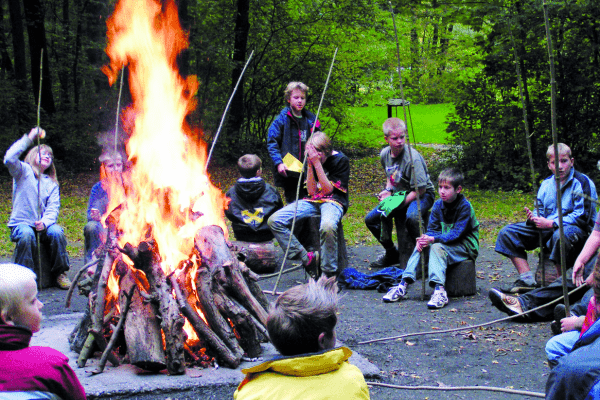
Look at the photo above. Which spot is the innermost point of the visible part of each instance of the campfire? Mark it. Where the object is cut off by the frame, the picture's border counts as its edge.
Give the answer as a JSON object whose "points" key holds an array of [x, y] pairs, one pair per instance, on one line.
{"points": [[168, 290]]}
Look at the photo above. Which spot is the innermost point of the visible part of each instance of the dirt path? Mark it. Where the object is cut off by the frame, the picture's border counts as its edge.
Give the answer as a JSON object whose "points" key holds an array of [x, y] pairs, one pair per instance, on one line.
{"points": [[507, 354]]}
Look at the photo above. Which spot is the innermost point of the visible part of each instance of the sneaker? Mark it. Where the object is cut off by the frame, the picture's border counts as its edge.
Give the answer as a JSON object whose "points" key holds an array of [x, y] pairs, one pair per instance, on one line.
{"points": [[390, 257], [395, 293], [520, 287], [312, 267], [505, 303], [439, 298], [63, 282]]}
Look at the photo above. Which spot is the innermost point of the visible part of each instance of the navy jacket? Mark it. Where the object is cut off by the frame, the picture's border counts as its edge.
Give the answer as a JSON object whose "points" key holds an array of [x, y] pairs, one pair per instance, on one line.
{"points": [[253, 201]]}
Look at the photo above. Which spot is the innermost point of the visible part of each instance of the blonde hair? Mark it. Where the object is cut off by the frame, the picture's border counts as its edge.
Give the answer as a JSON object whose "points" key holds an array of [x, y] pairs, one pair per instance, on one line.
{"points": [[321, 142], [393, 124], [31, 159], [287, 94], [563, 149], [12, 279], [301, 314], [108, 156]]}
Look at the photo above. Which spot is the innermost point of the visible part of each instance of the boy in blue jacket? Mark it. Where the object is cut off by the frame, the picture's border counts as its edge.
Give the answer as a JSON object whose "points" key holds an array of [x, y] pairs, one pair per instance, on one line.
{"points": [[452, 236], [579, 214], [288, 134]]}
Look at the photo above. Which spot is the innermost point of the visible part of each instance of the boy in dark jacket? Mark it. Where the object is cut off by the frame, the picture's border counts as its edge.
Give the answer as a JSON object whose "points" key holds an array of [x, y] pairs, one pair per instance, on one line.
{"points": [[253, 201], [453, 233], [288, 134]]}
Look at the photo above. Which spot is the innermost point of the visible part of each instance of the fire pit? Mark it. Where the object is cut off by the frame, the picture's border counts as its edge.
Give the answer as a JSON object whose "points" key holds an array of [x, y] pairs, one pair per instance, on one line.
{"points": [[166, 276]]}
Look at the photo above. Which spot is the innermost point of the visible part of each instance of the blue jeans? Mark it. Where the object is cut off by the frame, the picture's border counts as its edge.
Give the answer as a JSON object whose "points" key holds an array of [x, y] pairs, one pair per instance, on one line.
{"points": [[94, 235], [561, 345], [53, 237], [515, 240], [403, 216], [331, 215], [440, 256]]}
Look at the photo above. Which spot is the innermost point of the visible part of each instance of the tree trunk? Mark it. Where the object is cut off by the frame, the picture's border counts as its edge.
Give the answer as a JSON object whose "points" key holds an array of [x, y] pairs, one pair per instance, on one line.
{"points": [[37, 42], [18, 41], [236, 111], [5, 61]]}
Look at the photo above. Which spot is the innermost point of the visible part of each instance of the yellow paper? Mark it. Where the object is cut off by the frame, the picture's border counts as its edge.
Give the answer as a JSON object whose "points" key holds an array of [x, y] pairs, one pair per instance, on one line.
{"points": [[292, 163]]}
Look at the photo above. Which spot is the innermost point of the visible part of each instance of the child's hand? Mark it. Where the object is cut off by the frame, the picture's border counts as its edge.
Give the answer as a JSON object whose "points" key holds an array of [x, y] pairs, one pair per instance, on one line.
{"points": [[39, 226], [282, 169], [424, 241], [578, 268], [312, 155], [571, 323], [383, 194], [95, 214], [35, 132], [529, 213]]}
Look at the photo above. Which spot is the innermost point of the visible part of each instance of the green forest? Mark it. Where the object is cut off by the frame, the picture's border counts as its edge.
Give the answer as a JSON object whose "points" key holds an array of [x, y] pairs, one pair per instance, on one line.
{"points": [[457, 53]]}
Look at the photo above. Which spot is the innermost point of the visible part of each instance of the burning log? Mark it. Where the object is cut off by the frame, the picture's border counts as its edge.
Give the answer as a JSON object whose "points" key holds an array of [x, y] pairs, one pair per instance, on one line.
{"points": [[142, 329], [214, 345], [146, 259]]}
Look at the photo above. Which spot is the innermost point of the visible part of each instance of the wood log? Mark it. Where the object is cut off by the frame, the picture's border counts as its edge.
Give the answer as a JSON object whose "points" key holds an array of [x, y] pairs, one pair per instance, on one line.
{"points": [[242, 321], [142, 330], [214, 318], [252, 281], [214, 252], [259, 257], [214, 345], [147, 259]]}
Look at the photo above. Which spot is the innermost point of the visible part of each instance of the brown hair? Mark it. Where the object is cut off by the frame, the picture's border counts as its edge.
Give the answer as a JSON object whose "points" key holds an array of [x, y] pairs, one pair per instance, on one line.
{"points": [[249, 165], [287, 94], [301, 314], [321, 142], [452, 176], [31, 159]]}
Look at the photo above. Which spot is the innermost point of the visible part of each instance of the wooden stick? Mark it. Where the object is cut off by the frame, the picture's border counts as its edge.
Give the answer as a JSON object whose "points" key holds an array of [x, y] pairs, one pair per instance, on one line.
{"points": [[287, 250], [563, 255], [113, 338], [39, 182], [76, 279], [118, 109], [456, 388], [412, 164]]}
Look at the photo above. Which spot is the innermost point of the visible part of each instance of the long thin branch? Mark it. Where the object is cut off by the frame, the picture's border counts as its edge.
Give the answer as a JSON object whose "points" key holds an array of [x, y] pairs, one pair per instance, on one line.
{"points": [[457, 388]]}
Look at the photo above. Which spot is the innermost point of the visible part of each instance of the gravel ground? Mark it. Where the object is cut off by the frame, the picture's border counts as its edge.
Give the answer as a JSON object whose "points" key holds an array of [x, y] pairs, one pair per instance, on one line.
{"points": [[505, 354]]}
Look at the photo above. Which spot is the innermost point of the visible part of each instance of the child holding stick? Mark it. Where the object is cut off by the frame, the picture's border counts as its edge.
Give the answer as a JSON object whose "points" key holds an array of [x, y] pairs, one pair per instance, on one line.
{"points": [[33, 212]]}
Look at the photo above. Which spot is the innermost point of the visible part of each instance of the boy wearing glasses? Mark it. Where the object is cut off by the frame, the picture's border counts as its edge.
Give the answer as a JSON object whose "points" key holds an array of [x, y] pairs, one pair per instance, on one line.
{"points": [[395, 160]]}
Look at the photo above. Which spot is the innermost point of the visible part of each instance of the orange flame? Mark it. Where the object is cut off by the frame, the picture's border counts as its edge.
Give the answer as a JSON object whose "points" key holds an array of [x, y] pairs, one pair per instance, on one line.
{"points": [[169, 194]]}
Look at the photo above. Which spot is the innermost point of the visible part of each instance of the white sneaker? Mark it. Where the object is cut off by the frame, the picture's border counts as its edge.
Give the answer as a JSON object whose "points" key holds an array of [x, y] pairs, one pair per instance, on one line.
{"points": [[439, 298], [395, 293]]}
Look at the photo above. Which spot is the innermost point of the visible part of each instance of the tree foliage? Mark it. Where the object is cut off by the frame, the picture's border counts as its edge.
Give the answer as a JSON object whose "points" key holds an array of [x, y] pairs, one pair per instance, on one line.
{"points": [[488, 123]]}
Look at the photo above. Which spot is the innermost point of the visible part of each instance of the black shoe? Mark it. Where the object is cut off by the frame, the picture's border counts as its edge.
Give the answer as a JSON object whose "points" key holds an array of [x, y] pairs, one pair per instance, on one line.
{"points": [[312, 268], [520, 287], [390, 257], [505, 303], [560, 312]]}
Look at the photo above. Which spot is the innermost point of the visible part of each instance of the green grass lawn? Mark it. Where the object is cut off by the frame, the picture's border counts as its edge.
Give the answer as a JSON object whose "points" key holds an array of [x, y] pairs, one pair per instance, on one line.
{"points": [[428, 124]]}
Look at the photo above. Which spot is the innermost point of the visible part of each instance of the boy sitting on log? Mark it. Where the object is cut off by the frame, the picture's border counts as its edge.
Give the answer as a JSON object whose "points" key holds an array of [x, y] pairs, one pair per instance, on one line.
{"points": [[29, 372], [327, 183], [301, 326], [253, 201], [452, 236]]}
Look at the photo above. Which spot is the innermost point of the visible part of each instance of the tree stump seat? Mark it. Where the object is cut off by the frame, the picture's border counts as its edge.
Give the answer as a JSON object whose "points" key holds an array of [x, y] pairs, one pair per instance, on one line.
{"points": [[45, 279], [311, 240], [461, 279]]}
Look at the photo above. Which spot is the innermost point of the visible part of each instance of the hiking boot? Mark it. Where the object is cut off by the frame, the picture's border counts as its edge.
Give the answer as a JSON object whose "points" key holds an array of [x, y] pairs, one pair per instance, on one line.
{"points": [[396, 292], [312, 267], [63, 282], [505, 303], [520, 287], [439, 298], [390, 257]]}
